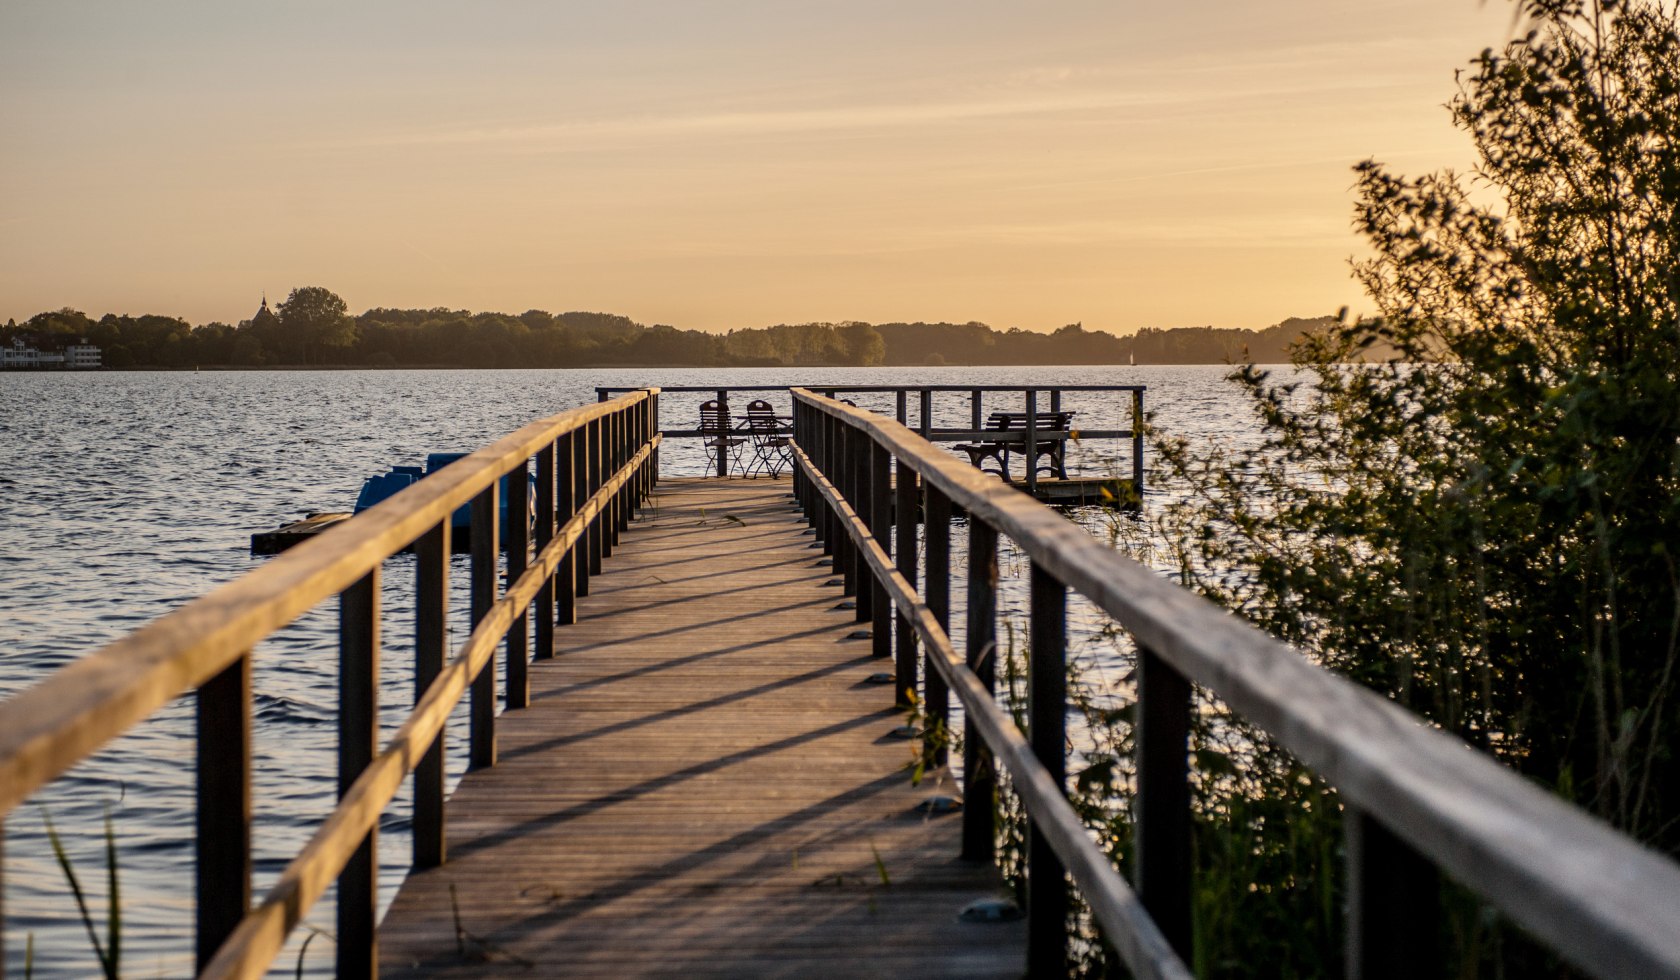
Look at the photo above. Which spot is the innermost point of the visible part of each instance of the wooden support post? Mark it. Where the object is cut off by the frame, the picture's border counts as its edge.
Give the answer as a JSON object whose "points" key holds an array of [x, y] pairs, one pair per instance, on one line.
{"points": [[431, 649], [481, 753], [653, 430], [224, 806], [518, 693], [833, 448], [1162, 830], [1032, 441], [1393, 904], [581, 552], [544, 615], [856, 472], [979, 838], [936, 592], [926, 419], [906, 503], [358, 740], [1137, 444], [599, 548], [975, 420], [879, 491], [620, 456], [565, 574], [1047, 889], [901, 405]]}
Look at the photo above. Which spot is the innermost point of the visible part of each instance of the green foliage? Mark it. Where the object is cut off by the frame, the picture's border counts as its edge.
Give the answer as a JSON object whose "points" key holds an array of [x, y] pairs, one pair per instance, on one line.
{"points": [[1483, 527], [109, 953]]}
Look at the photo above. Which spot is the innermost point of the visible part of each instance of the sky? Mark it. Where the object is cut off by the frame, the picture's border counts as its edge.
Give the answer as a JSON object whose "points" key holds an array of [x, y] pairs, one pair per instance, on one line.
{"points": [[716, 164]]}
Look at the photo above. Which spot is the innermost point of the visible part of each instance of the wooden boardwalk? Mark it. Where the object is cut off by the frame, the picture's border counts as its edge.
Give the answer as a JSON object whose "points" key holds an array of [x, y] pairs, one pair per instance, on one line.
{"points": [[705, 784]]}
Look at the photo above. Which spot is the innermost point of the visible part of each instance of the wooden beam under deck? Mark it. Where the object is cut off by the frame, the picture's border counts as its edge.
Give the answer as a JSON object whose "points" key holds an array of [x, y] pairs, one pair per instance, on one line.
{"points": [[706, 783]]}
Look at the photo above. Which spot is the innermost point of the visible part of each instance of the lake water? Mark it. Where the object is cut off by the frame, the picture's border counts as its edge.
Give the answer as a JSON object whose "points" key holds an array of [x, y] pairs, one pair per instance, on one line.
{"points": [[125, 494]]}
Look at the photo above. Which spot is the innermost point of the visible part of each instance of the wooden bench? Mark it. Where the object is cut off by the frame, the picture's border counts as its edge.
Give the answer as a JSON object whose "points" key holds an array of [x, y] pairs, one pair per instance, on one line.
{"points": [[1050, 435]]}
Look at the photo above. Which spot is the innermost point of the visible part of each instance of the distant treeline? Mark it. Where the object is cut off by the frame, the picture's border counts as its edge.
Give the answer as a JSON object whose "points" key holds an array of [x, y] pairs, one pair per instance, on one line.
{"points": [[313, 328]]}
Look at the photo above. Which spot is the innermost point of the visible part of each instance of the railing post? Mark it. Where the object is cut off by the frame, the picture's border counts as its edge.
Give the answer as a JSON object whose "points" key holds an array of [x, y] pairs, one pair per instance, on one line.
{"points": [[1137, 443], [598, 547], [1162, 829], [545, 614], [901, 405], [975, 419], [723, 438], [224, 805], [431, 641], [1047, 890], [482, 738], [979, 771], [834, 542], [565, 505], [1393, 904], [1032, 440], [582, 551], [927, 412], [654, 429], [880, 528], [358, 738], [620, 455], [936, 592], [906, 505], [856, 470], [518, 692]]}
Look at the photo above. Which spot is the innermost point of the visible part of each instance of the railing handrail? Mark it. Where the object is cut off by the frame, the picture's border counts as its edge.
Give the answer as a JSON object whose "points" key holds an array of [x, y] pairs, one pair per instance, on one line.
{"points": [[1112, 901], [1601, 900], [691, 389], [50, 726]]}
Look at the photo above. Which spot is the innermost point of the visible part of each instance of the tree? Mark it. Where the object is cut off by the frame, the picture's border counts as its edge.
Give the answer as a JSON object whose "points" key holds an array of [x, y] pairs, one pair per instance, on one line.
{"points": [[1491, 539], [1485, 526], [862, 344], [314, 317]]}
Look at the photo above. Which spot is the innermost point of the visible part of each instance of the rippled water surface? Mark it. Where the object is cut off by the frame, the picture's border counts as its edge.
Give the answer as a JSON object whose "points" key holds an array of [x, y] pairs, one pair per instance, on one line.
{"points": [[123, 495]]}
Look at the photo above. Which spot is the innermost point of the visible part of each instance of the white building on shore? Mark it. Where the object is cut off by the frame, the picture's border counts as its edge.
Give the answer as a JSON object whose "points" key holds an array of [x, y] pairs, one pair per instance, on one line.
{"points": [[19, 356]]}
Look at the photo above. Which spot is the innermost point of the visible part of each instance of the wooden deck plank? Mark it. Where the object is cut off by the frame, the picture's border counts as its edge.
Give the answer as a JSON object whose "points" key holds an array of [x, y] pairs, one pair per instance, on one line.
{"points": [[704, 784]]}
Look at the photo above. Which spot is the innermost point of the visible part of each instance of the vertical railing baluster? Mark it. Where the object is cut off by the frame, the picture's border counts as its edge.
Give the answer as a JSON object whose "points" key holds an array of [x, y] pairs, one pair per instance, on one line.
{"points": [[431, 648], [879, 491], [979, 770], [621, 455], [936, 593], [857, 481], [906, 505], [565, 505], [481, 752], [1047, 889], [975, 419], [926, 419], [545, 612], [1032, 441], [223, 806], [580, 494], [834, 537], [1162, 826], [723, 437], [1137, 443], [901, 401], [358, 739], [1393, 904], [518, 692], [597, 526], [654, 430]]}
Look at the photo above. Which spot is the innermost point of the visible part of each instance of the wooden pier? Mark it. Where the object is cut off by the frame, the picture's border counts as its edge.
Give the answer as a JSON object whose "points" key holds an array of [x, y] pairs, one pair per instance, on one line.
{"points": [[698, 770], [707, 782]]}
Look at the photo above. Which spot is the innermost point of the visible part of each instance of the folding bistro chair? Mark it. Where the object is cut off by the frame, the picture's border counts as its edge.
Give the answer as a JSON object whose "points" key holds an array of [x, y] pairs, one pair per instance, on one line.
{"points": [[771, 452], [718, 435]]}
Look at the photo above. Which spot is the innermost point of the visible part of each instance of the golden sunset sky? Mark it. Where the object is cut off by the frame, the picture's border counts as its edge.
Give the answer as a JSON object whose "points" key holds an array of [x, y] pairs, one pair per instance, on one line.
{"points": [[716, 163]]}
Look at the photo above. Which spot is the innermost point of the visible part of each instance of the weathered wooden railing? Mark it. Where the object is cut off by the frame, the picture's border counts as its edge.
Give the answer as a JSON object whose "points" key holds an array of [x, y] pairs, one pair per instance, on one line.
{"points": [[1417, 801], [594, 465], [925, 426]]}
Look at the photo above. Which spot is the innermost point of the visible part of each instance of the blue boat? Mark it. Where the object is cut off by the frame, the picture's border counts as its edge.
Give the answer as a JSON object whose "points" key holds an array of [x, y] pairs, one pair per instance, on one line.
{"points": [[378, 488]]}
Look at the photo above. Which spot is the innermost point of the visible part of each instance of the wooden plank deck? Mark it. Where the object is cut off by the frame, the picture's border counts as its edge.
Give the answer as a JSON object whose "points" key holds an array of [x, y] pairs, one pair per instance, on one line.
{"points": [[704, 784]]}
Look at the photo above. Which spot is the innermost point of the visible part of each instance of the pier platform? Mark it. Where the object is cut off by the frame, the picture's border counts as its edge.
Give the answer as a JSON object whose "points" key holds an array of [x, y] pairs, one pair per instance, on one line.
{"points": [[707, 783]]}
